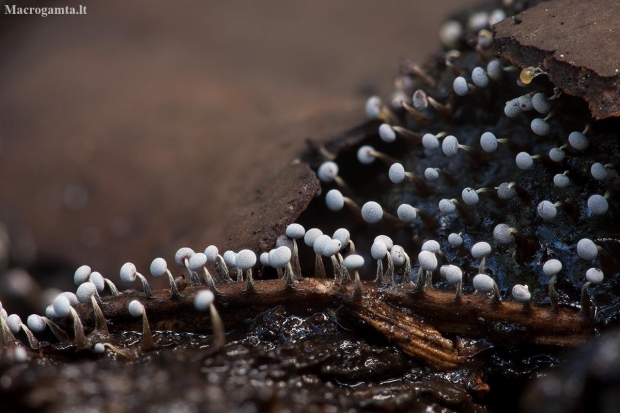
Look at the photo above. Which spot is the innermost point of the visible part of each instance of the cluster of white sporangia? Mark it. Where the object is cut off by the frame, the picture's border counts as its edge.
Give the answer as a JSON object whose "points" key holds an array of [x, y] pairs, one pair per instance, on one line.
{"points": [[421, 106], [339, 248], [284, 257], [91, 284]]}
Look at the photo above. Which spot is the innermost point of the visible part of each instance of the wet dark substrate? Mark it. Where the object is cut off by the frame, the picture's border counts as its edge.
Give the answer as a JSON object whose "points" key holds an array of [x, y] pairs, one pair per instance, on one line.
{"points": [[306, 363]]}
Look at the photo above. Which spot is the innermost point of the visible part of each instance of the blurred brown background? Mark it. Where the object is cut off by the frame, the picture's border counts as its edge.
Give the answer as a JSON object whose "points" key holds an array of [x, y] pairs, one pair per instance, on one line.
{"points": [[136, 129]]}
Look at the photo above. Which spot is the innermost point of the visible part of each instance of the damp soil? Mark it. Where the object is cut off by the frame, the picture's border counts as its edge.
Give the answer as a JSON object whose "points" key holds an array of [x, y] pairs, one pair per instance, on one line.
{"points": [[280, 360]]}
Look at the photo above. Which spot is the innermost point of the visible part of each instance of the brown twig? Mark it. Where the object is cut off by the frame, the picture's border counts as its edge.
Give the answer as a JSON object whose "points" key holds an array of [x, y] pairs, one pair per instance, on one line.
{"points": [[413, 322]]}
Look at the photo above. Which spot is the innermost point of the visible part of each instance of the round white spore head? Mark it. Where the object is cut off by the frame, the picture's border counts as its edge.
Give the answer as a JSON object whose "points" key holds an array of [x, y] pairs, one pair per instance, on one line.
{"points": [[319, 244], [525, 102], [578, 141], [557, 154], [14, 323], [546, 210], [128, 272], [452, 273], [430, 141], [455, 240], [460, 86], [386, 240], [494, 68], [480, 249], [599, 171], [595, 275], [524, 161], [398, 97], [295, 231], [419, 100], [561, 180], [485, 39], [540, 127], [246, 259], [97, 279], [373, 107], [483, 283], [279, 257], [470, 196], [378, 250], [478, 20], [364, 154], [230, 258], [183, 254], [85, 291], [505, 191], [158, 267], [197, 261], [211, 252], [354, 262], [427, 260], [406, 213], [512, 108], [446, 206], [372, 212], [73, 300], [203, 299], [271, 254], [587, 249], [135, 308], [431, 174], [479, 77], [552, 267], [327, 171], [521, 293], [61, 306], [81, 274], [264, 259], [398, 255], [386, 133], [488, 141], [311, 235], [450, 145], [331, 247], [432, 246], [450, 33], [397, 173], [49, 312], [334, 200], [99, 348], [541, 104], [503, 235], [19, 354], [35, 323], [597, 204], [343, 235]]}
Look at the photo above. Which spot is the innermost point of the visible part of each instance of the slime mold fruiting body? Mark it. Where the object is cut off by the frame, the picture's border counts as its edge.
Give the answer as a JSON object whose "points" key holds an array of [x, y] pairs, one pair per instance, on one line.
{"points": [[489, 215]]}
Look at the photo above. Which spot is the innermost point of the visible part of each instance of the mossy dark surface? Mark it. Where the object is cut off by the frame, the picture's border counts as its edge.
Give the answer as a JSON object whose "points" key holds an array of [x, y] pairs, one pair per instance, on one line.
{"points": [[472, 116]]}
